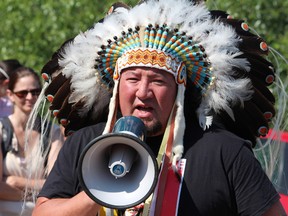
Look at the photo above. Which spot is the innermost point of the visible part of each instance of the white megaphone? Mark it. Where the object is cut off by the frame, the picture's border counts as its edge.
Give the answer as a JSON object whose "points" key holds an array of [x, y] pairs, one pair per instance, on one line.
{"points": [[118, 170]]}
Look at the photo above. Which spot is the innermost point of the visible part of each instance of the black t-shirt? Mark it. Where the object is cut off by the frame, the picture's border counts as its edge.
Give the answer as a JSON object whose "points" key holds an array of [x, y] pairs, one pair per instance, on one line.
{"points": [[222, 176]]}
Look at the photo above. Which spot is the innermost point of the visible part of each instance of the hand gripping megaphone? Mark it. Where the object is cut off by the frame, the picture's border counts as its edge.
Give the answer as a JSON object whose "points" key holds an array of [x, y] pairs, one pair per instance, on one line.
{"points": [[118, 170]]}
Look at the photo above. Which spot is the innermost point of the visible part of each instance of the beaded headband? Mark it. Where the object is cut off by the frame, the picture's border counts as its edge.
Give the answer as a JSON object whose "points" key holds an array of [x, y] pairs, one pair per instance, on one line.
{"points": [[151, 58]]}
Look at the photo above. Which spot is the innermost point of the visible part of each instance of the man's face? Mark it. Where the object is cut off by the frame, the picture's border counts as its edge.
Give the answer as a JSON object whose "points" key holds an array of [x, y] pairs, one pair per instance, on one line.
{"points": [[149, 94]]}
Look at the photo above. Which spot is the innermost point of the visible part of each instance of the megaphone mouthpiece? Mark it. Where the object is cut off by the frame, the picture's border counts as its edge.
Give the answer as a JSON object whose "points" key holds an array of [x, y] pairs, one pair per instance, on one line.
{"points": [[121, 160]]}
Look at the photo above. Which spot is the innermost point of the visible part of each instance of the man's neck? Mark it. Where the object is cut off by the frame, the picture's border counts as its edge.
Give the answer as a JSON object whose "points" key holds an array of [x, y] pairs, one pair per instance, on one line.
{"points": [[154, 143]]}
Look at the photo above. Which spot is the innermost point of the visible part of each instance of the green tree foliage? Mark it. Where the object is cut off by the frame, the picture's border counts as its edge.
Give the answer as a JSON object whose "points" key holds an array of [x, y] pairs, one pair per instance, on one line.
{"points": [[31, 30], [268, 18]]}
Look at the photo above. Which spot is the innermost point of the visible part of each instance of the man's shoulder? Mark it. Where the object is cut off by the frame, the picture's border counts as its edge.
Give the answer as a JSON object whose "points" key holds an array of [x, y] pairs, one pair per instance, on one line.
{"points": [[91, 130], [224, 134], [225, 139], [219, 147], [83, 136], [216, 139]]}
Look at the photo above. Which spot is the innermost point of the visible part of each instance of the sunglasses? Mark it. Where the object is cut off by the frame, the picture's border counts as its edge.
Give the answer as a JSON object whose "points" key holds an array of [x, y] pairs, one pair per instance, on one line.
{"points": [[24, 93]]}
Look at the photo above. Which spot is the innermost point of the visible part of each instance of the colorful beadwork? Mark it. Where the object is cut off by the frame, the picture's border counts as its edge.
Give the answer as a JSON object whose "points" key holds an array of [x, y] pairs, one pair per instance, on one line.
{"points": [[55, 112], [50, 98], [263, 130], [175, 48], [268, 115], [245, 26], [263, 46], [150, 58], [64, 122], [270, 79], [45, 77]]}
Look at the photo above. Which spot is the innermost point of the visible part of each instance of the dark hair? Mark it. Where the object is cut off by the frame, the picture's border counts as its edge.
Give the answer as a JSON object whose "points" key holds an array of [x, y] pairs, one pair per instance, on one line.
{"points": [[22, 72], [9, 66]]}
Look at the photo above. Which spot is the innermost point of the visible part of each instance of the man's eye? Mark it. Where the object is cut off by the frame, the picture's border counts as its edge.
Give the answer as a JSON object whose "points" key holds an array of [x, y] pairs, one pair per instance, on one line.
{"points": [[158, 81], [132, 79]]}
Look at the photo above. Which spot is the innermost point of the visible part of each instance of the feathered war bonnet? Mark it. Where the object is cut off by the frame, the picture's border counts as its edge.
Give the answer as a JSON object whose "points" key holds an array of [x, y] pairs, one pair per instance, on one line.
{"points": [[217, 54]]}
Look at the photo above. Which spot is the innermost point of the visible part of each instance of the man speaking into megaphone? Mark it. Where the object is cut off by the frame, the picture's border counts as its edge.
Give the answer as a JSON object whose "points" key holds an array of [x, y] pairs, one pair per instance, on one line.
{"points": [[119, 165], [182, 71]]}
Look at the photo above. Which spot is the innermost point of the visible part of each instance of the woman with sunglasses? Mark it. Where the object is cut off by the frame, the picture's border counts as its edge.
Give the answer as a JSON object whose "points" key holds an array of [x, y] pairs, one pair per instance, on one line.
{"points": [[23, 90]]}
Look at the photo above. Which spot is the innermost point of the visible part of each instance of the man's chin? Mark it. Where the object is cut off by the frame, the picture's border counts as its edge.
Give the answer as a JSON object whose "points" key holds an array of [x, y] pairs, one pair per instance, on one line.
{"points": [[153, 128]]}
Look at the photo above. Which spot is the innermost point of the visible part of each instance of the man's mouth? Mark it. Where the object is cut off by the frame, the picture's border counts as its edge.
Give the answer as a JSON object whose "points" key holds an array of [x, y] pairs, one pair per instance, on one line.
{"points": [[143, 111], [144, 108]]}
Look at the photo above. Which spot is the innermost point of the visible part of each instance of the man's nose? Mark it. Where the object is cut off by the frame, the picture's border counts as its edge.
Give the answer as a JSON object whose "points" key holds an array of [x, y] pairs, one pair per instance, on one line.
{"points": [[144, 90]]}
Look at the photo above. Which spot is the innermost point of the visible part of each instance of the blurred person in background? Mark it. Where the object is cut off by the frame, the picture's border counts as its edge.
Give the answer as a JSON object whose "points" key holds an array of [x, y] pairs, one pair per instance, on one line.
{"points": [[24, 88]]}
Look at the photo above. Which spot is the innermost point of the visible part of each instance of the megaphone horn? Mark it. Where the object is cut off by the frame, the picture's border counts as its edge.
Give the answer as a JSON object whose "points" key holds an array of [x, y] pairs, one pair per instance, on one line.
{"points": [[119, 170]]}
